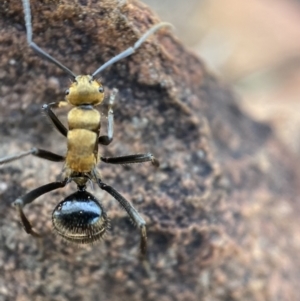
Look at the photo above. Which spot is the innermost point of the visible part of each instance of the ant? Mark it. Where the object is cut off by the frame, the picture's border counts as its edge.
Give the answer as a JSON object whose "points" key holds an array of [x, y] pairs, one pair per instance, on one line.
{"points": [[80, 217]]}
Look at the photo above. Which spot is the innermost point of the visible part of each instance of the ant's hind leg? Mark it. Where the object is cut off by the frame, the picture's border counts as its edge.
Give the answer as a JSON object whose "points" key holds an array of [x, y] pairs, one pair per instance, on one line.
{"points": [[137, 158], [106, 140], [29, 198], [132, 212]]}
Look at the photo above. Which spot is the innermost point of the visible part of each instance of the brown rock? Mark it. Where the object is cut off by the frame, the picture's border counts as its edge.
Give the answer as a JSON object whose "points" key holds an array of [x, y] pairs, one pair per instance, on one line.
{"points": [[221, 210]]}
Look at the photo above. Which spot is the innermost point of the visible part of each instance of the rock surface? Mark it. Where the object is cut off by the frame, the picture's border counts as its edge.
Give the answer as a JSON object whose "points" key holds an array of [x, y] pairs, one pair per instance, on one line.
{"points": [[222, 210]]}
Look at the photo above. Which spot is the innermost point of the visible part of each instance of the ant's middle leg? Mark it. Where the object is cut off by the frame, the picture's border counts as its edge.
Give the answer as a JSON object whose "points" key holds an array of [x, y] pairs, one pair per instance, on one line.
{"points": [[29, 198], [137, 158], [37, 152]]}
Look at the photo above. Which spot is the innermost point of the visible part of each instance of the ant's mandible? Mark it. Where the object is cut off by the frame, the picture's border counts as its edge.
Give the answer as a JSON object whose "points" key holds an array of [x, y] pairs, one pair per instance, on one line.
{"points": [[80, 217]]}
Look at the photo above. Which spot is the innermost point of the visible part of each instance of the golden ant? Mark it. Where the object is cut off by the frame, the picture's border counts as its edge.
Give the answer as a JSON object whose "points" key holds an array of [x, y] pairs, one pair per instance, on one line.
{"points": [[80, 217]]}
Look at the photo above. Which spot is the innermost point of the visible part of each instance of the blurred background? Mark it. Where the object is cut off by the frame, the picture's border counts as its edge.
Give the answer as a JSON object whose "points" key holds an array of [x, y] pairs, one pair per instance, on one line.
{"points": [[254, 46]]}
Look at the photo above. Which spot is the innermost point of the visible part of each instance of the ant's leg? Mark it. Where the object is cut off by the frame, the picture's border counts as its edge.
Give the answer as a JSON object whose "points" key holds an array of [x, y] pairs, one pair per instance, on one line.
{"points": [[40, 153], [132, 212], [138, 158], [47, 108], [106, 140], [30, 197]]}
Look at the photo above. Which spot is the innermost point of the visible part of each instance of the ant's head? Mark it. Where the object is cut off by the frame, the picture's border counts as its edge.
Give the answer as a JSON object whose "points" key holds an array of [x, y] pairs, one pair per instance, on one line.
{"points": [[85, 90], [80, 218]]}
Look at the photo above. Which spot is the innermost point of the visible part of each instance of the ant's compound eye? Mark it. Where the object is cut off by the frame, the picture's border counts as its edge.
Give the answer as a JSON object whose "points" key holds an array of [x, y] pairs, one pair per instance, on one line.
{"points": [[101, 89], [67, 92], [80, 218]]}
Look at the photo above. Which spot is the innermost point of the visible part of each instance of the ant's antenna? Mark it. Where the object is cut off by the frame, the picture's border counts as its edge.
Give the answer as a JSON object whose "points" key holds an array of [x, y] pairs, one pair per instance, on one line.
{"points": [[131, 50], [122, 55], [37, 49]]}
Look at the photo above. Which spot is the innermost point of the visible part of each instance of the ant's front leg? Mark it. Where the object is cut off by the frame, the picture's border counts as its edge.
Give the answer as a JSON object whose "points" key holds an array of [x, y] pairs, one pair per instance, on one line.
{"points": [[106, 140], [47, 108]]}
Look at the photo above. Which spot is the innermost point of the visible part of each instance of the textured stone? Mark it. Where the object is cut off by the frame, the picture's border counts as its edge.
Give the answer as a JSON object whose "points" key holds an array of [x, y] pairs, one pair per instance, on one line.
{"points": [[221, 210]]}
